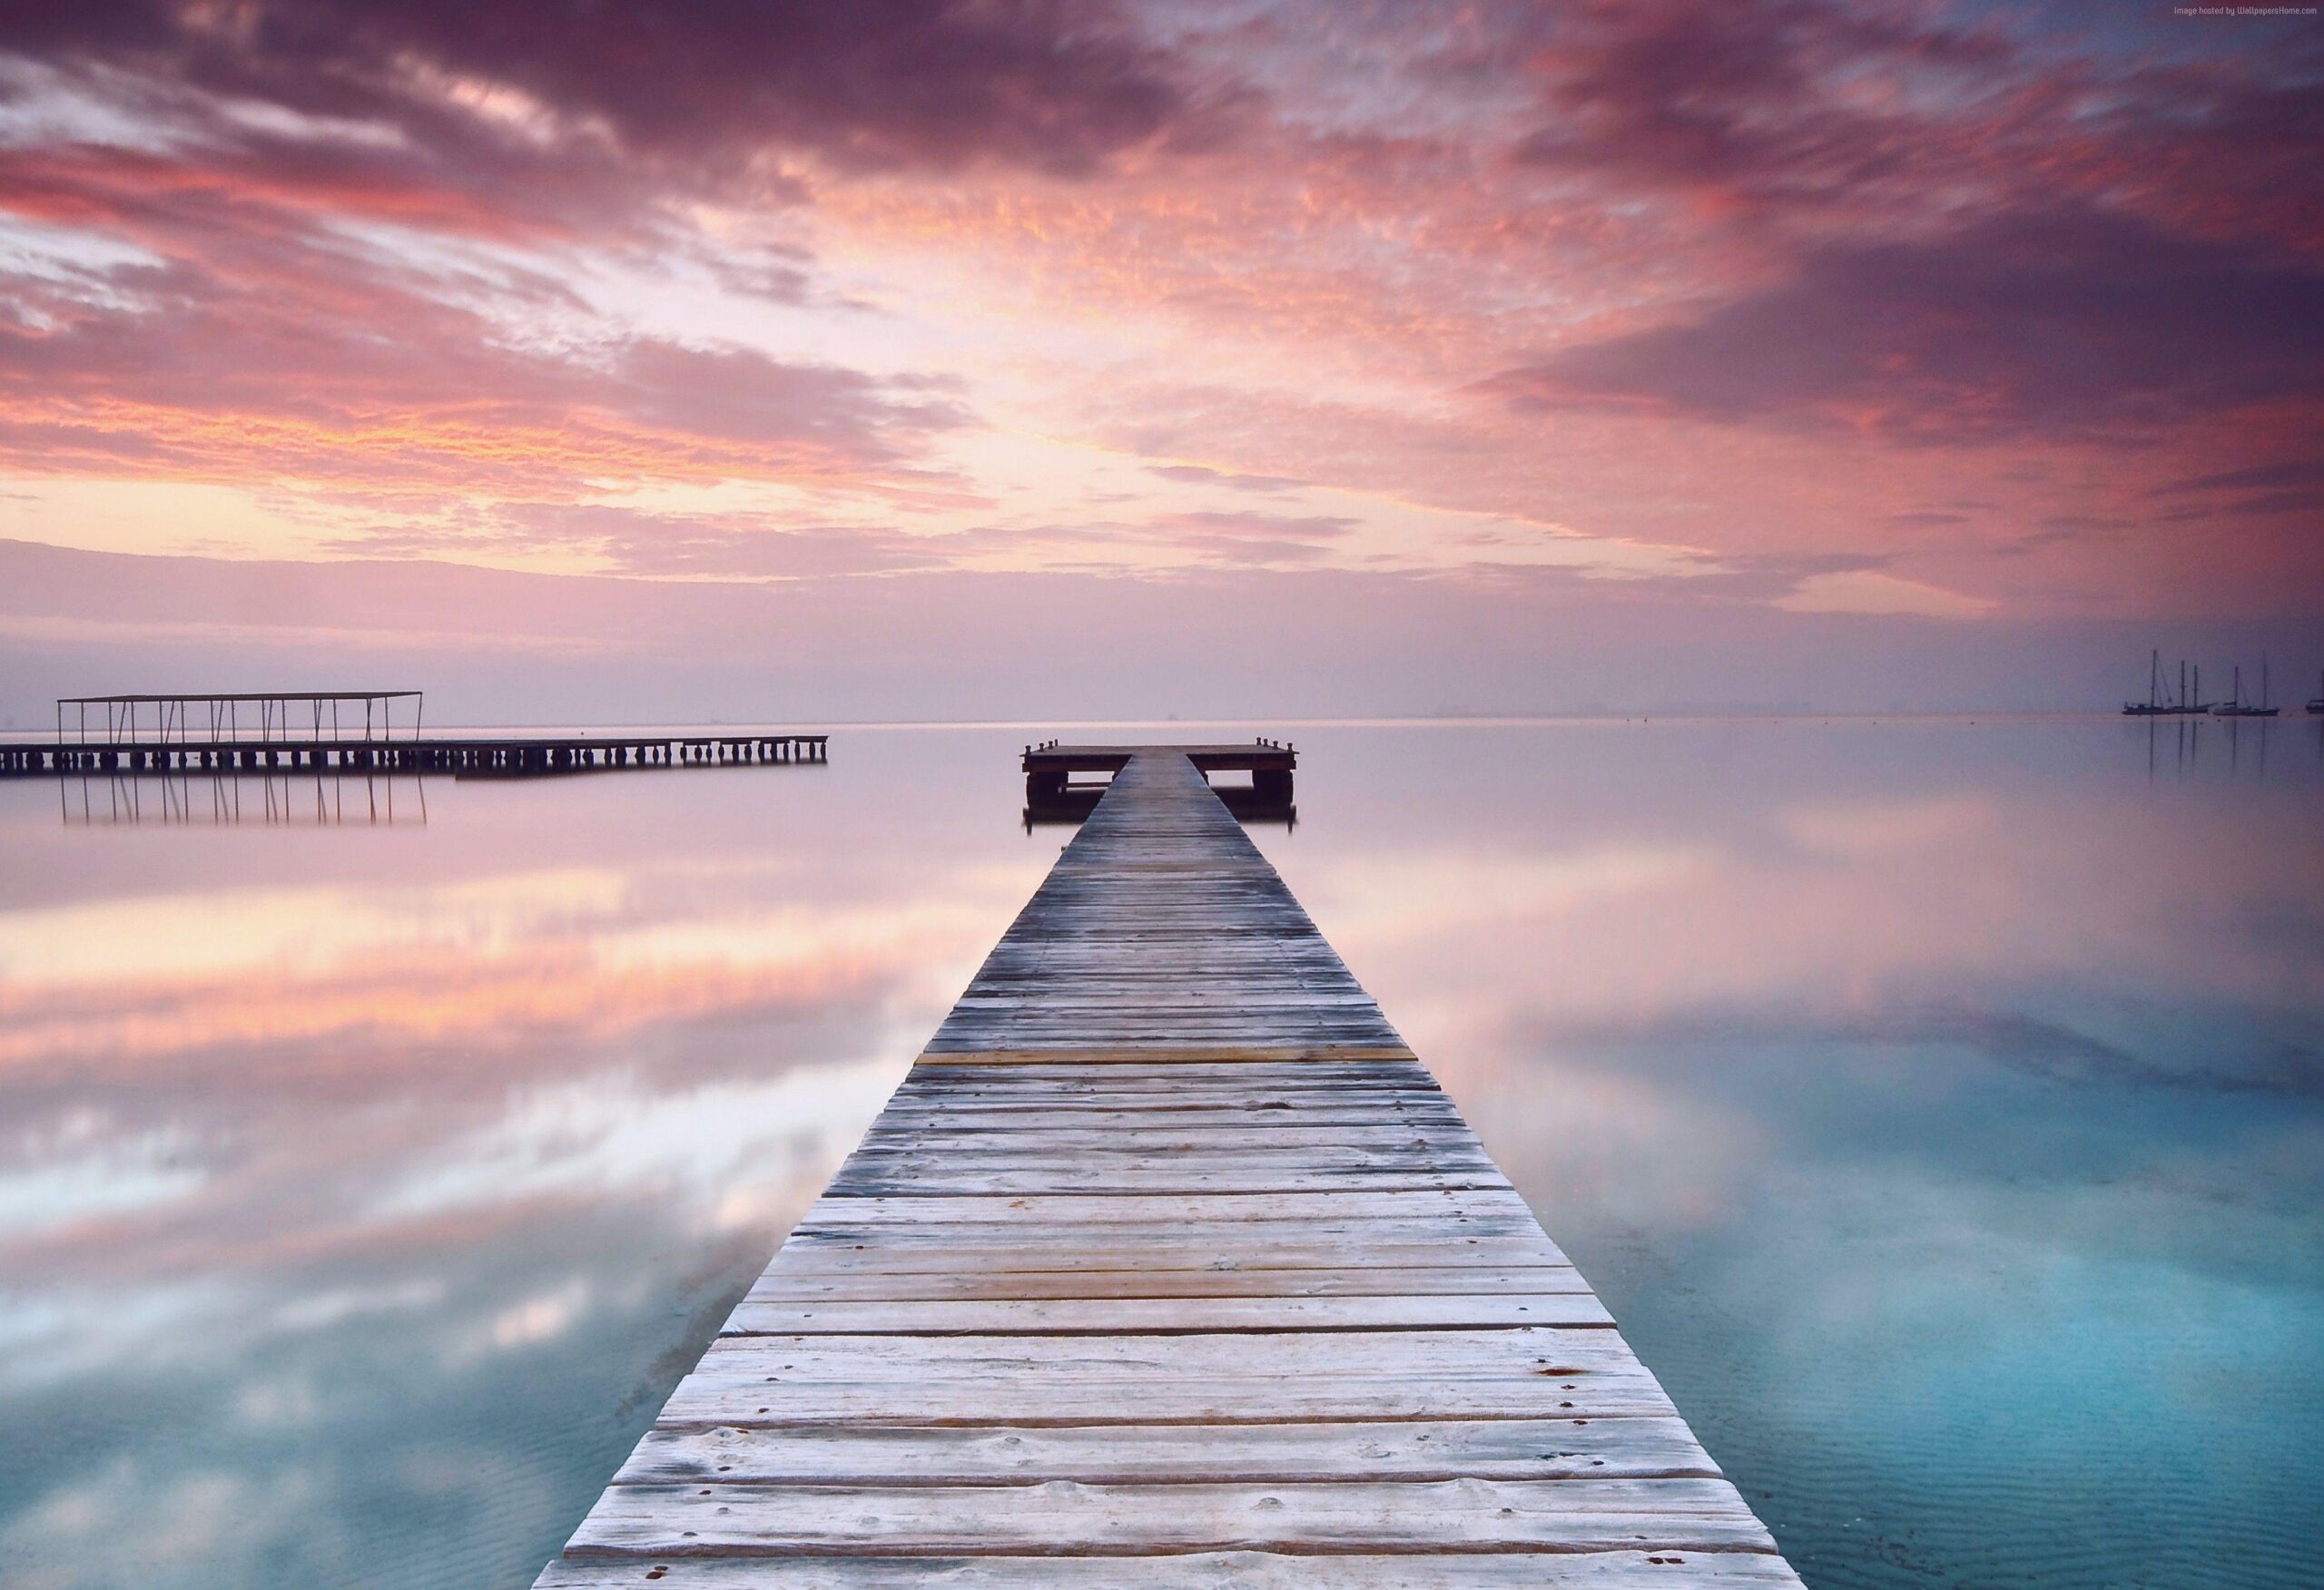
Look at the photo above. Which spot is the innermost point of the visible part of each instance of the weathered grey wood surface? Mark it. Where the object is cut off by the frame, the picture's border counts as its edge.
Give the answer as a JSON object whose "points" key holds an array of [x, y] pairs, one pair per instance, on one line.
{"points": [[1168, 1265]]}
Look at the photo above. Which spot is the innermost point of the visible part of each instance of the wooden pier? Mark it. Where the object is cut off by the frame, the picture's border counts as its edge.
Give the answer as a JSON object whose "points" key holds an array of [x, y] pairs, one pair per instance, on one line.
{"points": [[463, 756], [1168, 1264], [353, 731]]}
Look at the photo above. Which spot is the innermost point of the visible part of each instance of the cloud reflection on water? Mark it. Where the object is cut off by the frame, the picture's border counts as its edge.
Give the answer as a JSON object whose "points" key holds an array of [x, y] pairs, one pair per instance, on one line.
{"points": [[340, 1185], [1940, 1111], [1937, 1108]]}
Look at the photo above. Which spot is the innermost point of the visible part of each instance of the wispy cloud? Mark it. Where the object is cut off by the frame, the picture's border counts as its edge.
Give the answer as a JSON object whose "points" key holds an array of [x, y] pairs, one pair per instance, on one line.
{"points": [[1730, 293]]}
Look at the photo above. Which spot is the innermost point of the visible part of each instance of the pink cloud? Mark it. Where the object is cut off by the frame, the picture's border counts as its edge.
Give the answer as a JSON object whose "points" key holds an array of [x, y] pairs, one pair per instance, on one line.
{"points": [[1766, 281], [257, 347]]}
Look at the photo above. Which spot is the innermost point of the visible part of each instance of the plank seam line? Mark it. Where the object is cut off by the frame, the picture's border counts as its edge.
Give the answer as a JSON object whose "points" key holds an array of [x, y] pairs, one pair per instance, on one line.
{"points": [[1111, 1550], [871, 1479], [1311, 1329], [682, 1424]]}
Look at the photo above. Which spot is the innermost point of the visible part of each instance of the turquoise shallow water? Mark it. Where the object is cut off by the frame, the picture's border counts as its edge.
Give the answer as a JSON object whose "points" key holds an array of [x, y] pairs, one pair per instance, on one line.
{"points": [[1939, 1105]]}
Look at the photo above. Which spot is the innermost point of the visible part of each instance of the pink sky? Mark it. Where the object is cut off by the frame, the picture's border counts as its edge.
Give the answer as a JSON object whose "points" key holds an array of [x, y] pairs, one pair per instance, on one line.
{"points": [[929, 360]]}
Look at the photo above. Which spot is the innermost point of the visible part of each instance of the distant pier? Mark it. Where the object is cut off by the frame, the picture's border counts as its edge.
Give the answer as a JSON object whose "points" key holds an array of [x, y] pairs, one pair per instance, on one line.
{"points": [[1168, 1265], [163, 734]]}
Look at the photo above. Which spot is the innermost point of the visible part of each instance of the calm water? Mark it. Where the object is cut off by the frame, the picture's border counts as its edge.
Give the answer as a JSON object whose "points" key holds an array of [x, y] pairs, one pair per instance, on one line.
{"points": [[1940, 1107]]}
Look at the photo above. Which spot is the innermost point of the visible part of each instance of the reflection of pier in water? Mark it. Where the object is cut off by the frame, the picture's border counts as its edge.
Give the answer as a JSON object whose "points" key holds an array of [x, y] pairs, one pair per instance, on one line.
{"points": [[276, 800]]}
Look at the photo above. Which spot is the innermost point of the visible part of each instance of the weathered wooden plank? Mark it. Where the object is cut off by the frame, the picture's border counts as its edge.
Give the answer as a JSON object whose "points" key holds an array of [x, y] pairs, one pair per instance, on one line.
{"points": [[856, 1282], [1285, 1123], [1264, 1063], [1553, 1354], [1145, 1081], [1556, 1569], [1227, 1241], [1251, 1244], [1450, 1208], [967, 1104], [1168, 1264], [1128, 1149], [1143, 1074], [1249, 1175], [1164, 1179], [904, 1251], [1128, 1155], [1061, 1516], [752, 1379], [896, 1156], [1032, 1134], [819, 1391], [1021, 1043], [1105, 1316], [1606, 1448]]}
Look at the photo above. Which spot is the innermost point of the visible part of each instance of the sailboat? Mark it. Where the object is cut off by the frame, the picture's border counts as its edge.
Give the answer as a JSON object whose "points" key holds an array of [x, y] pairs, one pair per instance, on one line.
{"points": [[2161, 703], [2155, 706], [2235, 706]]}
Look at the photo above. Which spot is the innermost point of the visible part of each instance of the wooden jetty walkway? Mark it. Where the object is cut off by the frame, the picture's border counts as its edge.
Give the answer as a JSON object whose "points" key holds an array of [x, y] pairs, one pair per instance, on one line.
{"points": [[303, 732], [462, 756], [1168, 1264]]}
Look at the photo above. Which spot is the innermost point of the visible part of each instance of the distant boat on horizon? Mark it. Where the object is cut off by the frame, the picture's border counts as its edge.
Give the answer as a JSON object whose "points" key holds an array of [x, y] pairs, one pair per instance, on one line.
{"points": [[2316, 701], [2235, 706]]}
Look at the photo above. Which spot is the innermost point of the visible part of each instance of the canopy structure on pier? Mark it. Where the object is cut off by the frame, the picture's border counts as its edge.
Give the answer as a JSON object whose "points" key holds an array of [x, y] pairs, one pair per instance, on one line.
{"points": [[1168, 1265], [217, 717], [1050, 790]]}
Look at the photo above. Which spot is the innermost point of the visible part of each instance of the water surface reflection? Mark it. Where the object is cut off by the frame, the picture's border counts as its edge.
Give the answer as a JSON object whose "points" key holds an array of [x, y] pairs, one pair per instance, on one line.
{"points": [[331, 800], [363, 1191], [1939, 1105]]}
